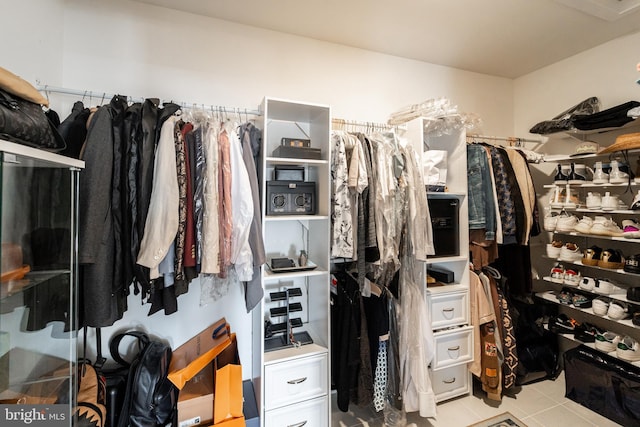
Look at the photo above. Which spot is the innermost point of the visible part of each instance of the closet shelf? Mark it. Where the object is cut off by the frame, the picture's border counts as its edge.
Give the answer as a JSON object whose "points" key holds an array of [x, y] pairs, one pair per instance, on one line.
{"points": [[592, 346], [30, 280], [551, 297], [617, 297], [582, 134], [599, 211], [446, 259], [296, 161], [289, 353], [580, 264], [281, 218], [590, 184], [268, 275], [595, 236], [447, 288]]}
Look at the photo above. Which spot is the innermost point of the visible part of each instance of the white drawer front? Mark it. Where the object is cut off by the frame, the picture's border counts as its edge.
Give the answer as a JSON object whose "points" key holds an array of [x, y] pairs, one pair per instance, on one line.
{"points": [[295, 380], [450, 382], [310, 413], [449, 309], [453, 347]]}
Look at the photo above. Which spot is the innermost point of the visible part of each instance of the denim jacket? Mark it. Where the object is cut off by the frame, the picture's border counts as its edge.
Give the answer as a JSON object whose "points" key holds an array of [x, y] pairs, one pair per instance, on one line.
{"points": [[482, 213]]}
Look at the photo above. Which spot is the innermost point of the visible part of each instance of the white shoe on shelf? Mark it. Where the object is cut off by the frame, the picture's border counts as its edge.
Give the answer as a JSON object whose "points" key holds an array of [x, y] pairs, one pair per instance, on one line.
{"points": [[635, 204], [594, 200], [628, 349], [566, 223], [609, 202], [599, 175], [570, 252], [616, 176], [603, 226], [584, 225]]}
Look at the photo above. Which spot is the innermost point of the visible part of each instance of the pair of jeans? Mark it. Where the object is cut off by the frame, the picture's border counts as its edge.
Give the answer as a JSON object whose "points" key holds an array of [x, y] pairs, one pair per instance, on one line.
{"points": [[482, 212]]}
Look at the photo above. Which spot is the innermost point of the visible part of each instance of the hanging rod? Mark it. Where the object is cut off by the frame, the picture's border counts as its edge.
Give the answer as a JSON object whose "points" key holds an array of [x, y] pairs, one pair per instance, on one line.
{"points": [[344, 122], [104, 95], [510, 139]]}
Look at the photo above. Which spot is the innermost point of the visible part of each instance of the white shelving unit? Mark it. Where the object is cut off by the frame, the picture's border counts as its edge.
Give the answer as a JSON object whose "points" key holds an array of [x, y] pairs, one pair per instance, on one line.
{"points": [[292, 381], [449, 305], [584, 240]]}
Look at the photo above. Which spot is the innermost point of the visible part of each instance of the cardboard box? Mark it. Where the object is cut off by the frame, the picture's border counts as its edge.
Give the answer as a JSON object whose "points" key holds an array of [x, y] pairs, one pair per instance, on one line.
{"points": [[191, 357], [193, 370], [195, 401], [228, 394]]}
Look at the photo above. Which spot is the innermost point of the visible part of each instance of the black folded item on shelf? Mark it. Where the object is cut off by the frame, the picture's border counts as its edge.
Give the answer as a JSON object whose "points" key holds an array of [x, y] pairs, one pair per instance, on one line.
{"points": [[441, 274], [609, 118], [564, 120], [633, 294]]}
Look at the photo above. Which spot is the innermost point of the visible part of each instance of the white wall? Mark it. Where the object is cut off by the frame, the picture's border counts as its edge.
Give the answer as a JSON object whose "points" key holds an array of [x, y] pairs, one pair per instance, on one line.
{"points": [[607, 71], [141, 50]]}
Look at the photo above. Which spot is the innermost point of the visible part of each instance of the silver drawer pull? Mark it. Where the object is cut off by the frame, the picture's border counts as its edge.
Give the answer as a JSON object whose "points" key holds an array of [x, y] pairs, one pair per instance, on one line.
{"points": [[451, 381], [298, 425], [298, 381], [447, 309], [456, 348]]}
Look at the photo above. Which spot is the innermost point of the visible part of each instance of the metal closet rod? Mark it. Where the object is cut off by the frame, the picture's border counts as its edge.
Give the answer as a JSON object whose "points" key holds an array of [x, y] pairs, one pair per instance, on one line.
{"points": [[345, 122], [502, 138], [104, 95]]}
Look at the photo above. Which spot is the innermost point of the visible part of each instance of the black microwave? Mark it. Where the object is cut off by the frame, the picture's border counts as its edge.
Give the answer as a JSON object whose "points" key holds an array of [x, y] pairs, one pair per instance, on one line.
{"points": [[444, 212]]}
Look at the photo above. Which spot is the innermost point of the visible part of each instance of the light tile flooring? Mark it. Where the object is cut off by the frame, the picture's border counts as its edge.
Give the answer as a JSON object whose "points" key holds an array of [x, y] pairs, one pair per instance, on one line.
{"points": [[539, 404]]}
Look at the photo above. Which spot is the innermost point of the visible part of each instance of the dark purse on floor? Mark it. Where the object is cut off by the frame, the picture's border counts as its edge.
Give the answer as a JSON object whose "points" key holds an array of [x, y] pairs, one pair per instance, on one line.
{"points": [[26, 123]]}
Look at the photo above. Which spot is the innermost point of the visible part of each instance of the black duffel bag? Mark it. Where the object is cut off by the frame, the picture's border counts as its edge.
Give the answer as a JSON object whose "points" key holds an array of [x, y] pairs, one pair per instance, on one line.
{"points": [[26, 123]]}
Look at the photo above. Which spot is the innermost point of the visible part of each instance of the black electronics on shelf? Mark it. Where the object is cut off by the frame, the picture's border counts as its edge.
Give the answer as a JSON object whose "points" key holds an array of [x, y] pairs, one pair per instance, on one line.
{"points": [[444, 212], [280, 335]]}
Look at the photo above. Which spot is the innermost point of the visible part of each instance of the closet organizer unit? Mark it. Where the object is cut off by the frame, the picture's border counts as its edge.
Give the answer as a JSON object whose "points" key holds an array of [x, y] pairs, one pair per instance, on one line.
{"points": [[39, 280], [576, 206], [291, 327], [449, 303]]}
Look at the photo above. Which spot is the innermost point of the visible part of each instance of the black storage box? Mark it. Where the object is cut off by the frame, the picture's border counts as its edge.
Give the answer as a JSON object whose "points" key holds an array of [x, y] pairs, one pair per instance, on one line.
{"points": [[444, 213], [604, 384], [298, 152]]}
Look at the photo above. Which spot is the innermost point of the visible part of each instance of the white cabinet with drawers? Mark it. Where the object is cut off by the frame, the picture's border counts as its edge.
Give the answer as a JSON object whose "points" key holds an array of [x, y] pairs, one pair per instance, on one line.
{"points": [[291, 328], [448, 303]]}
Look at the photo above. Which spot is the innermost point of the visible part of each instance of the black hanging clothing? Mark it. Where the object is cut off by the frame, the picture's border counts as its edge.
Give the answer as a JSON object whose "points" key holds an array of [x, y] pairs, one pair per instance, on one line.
{"points": [[73, 130], [144, 184], [345, 329]]}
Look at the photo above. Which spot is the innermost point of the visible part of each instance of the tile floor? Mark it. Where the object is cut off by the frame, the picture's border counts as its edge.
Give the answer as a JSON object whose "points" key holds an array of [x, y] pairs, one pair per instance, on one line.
{"points": [[540, 404]]}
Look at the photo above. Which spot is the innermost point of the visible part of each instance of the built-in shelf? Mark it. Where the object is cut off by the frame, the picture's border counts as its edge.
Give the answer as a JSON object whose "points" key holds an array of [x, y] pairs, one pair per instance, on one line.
{"points": [[596, 236]]}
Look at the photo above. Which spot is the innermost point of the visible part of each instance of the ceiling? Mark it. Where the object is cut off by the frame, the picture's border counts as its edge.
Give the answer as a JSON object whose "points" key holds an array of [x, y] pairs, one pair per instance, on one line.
{"points": [[507, 38]]}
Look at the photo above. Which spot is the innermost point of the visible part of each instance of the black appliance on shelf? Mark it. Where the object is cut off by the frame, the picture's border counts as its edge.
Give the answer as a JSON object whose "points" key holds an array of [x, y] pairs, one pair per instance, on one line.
{"points": [[444, 212]]}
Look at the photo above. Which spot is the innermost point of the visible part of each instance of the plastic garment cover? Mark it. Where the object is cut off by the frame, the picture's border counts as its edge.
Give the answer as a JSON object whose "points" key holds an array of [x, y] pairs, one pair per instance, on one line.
{"points": [[241, 208], [210, 226], [417, 342], [394, 414], [564, 121], [419, 220], [604, 384]]}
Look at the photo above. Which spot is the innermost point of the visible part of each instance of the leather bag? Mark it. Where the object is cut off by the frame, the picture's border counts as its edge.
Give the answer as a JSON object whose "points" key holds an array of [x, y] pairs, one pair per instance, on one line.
{"points": [[26, 123]]}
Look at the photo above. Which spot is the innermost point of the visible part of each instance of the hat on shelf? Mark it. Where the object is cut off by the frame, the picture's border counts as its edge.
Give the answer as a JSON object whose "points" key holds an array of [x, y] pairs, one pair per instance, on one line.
{"points": [[628, 141]]}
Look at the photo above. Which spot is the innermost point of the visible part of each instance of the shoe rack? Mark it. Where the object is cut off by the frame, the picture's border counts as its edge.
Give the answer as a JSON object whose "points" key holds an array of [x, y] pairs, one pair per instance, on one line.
{"points": [[578, 197]]}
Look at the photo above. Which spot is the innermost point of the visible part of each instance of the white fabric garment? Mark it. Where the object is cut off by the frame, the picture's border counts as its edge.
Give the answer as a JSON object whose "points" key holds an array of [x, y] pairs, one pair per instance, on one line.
{"points": [[341, 214], [210, 263], [417, 344], [241, 208], [419, 221], [161, 225]]}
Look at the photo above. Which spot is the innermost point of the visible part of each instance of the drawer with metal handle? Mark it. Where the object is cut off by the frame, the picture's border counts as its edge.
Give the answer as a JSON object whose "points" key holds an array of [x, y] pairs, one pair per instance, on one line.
{"points": [[309, 413], [450, 382], [453, 347], [448, 308], [295, 380]]}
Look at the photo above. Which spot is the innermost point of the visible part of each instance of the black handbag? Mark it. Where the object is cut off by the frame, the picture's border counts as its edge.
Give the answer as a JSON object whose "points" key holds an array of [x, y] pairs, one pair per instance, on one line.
{"points": [[26, 123]]}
